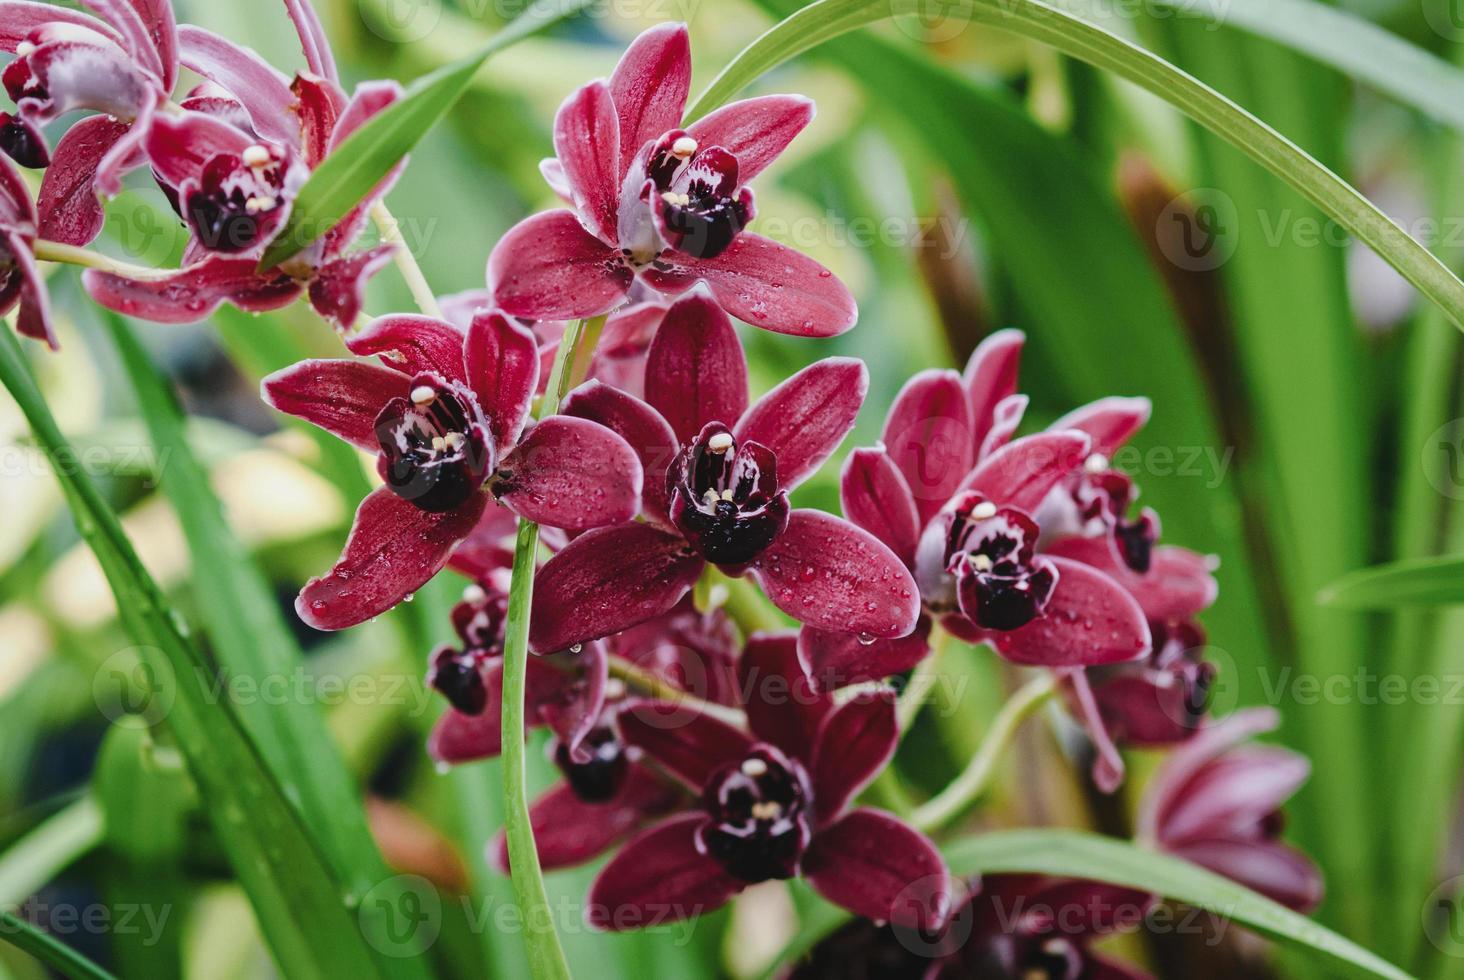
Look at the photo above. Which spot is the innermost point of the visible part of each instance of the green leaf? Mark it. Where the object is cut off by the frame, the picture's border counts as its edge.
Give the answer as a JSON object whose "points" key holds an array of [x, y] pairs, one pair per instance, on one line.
{"points": [[55, 954], [1070, 34], [250, 638], [1078, 854], [1415, 582], [33, 860], [347, 175], [1347, 43], [316, 926]]}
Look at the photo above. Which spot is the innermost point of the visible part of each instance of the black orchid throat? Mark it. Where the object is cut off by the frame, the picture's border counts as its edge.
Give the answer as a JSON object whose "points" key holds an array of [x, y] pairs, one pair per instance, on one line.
{"points": [[759, 812], [1001, 583], [237, 197], [725, 497], [700, 207], [436, 451]]}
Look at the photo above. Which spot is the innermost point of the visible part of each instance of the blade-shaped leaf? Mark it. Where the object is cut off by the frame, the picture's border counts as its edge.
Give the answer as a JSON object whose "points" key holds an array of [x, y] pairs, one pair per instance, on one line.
{"points": [[1070, 34], [251, 640], [1437, 581], [1077, 854], [367, 155], [309, 917]]}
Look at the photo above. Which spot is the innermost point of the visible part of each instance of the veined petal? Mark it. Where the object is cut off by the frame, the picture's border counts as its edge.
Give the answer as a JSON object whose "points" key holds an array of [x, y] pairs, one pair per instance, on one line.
{"points": [[69, 209], [566, 691], [547, 267], [1269, 867], [194, 292], [928, 435], [503, 370], [342, 397], [804, 419], [137, 39], [767, 285], [34, 320], [338, 288], [19, 17], [1089, 620], [827, 573], [650, 86], [1234, 793], [313, 41], [756, 130], [587, 143], [394, 549], [1004, 421], [1021, 473], [854, 743], [875, 866], [1110, 422], [687, 743], [569, 831], [606, 580], [1178, 585], [836, 660], [162, 30], [411, 344], [642, 427], [263, 91], [660, 876], [876, 497], [178, 145], [696, 371], [990, 378], [782, 705], [570, 473], [1165, 788]]}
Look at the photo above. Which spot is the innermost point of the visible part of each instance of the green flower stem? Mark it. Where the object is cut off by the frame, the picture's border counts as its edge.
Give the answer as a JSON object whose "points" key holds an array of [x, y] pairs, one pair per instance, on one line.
{"points": [[48, 251], [649, 684], [966, 788], [546, 955], [406, 263]]}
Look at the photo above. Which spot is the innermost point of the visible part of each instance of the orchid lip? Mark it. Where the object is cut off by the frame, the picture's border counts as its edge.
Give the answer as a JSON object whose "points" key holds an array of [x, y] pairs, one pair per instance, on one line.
{"points": [[238, 198], [599, 779], [1001, 584], [758, 809], [435, 453], [725, 497], [454, 674]]}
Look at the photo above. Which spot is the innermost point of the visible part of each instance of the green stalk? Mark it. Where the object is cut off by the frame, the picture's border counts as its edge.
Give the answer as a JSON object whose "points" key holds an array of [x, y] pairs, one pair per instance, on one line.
{"points": [[977, 776], [546, 954], [55, 954]]}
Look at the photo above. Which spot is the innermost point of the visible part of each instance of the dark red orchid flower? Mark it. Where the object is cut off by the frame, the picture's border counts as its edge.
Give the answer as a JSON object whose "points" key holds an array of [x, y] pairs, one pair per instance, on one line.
{"points": [[664, 206], [607, 793], [1013, 927], [619, 359], [444, 414], [1217, 801], [20, 280], [718, 475], [232, 162], [122, 63], [565, 691], [958, 500], [774, 803]]}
